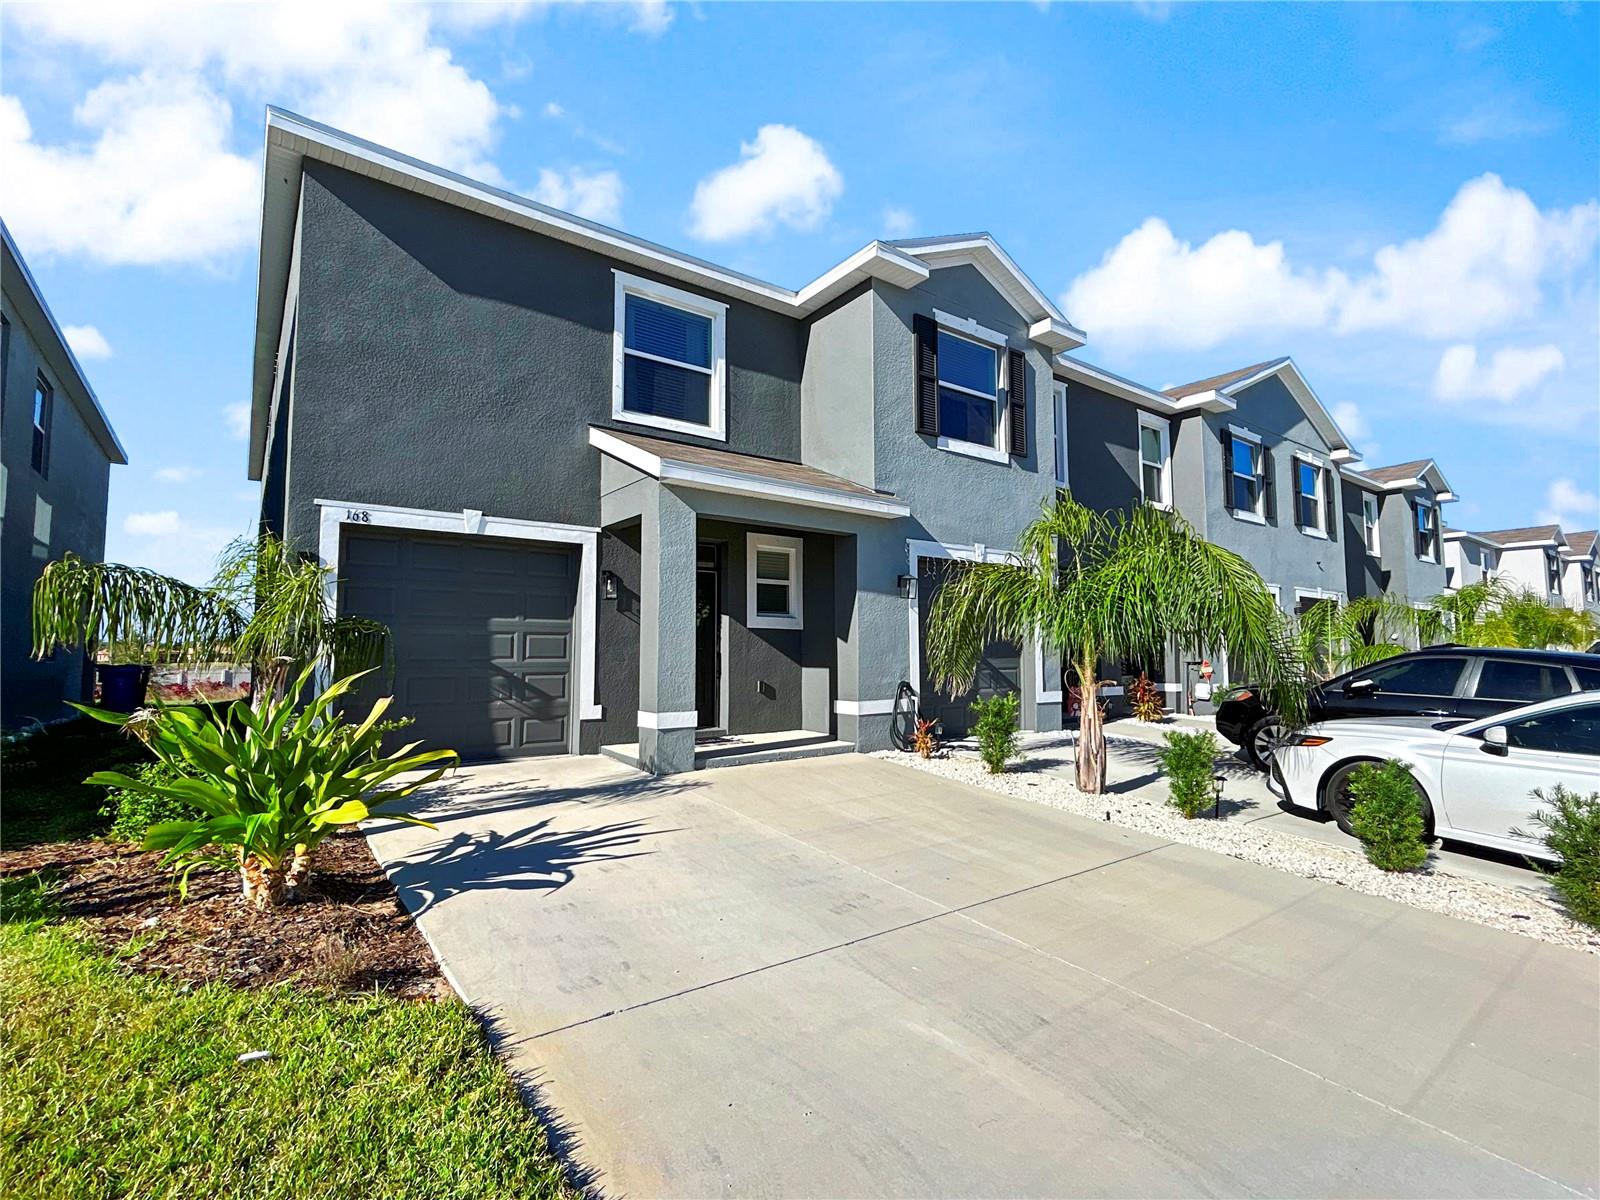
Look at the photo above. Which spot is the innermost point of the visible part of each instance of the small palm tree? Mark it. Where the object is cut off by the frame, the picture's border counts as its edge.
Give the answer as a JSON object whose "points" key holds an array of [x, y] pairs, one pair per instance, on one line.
{"points": [[267, 606], [1112, 586], [1336, 636]]}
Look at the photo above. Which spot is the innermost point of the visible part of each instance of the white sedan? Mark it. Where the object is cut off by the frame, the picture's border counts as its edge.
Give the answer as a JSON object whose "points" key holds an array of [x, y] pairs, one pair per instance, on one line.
{"points": [[1475, 776]]}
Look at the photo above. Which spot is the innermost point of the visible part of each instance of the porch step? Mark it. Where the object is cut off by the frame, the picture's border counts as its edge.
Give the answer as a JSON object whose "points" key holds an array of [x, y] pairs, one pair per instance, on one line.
{"points": [[743, 750]]}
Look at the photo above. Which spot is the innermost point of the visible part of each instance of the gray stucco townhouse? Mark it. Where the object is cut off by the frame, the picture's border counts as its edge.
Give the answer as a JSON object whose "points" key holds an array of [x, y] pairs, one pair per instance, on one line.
{"points": [[56, 453], [610, 495]]}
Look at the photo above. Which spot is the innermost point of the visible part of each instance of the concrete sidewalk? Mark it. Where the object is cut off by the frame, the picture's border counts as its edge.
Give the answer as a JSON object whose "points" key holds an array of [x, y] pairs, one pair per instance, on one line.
{"points": [[841, 977]]}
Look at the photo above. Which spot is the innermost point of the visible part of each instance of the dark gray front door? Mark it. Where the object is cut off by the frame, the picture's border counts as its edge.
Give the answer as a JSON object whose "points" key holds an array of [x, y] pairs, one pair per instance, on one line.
{"points": [[999, 668], [482, 637]]}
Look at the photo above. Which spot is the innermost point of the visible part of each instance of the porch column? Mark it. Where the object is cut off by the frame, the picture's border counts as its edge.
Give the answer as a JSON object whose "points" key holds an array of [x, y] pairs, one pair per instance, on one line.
{"points": [[872, 627], [667, 716]]}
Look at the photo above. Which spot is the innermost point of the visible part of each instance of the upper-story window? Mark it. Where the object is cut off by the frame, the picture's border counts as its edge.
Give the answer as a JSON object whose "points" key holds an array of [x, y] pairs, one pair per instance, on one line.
{"points": [[1369, 522], [1588, 583], [44, 398], [969, 391], [1155, 461], [1060, 408], [1310, 497], [1427, 529], [668, 358], [1247, 476], [1552, 571]]}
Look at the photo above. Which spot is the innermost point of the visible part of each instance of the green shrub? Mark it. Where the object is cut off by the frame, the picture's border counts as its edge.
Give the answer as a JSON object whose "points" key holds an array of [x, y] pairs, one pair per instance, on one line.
{"points": [[996, 729], [133, 812], [1572, 830], [1386, 814], [1190, 761]]}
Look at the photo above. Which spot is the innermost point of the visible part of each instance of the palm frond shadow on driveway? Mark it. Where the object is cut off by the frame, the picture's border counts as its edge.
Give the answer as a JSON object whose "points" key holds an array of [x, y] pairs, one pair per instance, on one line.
{"points": [[535, 858]]}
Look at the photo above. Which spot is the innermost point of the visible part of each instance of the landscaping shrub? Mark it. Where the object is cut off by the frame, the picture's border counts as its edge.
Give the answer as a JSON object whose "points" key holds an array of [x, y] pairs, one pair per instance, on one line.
{"points": [[1146, 700], [1189, 759], [1572, 829], [133, 812], [1387, 816], [925, 741], [996, 729]]}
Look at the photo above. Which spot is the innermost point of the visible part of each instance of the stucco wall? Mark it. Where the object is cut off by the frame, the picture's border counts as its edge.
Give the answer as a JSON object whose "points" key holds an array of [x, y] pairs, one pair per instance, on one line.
{"points": [[444, 360], [1102, 448], [79, 476], [1409, 576]]}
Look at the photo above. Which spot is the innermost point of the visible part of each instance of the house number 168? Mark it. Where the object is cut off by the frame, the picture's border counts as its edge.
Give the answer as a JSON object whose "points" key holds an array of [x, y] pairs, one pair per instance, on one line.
{"points": [[358, 514]]}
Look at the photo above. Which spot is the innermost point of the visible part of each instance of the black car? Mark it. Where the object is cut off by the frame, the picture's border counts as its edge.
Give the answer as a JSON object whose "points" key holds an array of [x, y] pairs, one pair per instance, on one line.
{"points": [[1440, 681]]}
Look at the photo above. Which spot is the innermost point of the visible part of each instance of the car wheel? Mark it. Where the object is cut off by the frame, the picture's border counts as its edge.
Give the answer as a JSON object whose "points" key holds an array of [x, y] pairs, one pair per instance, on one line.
{"points": [[1337, 803], [1262, 741]]}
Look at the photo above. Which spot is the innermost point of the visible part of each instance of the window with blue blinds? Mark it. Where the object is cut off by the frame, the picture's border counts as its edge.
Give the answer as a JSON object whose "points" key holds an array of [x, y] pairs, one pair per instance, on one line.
{"points": [[667, 362]]}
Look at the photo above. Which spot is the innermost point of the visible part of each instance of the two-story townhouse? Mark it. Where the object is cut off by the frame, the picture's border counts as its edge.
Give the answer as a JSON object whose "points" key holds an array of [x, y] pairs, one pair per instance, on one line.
{"points": [[1531, 559], [1469, 558], [56, 453], [1581, 562], [608, 495], [1395, 519]]}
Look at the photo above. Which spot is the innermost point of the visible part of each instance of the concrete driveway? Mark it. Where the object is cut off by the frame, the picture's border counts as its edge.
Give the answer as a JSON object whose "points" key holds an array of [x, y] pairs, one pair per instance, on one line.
{"points": [[839, 977]]}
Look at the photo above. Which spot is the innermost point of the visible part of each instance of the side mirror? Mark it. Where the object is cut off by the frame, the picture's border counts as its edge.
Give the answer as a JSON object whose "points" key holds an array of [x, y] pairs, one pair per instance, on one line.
{"points": [[1494, 740], [1361, 687]]}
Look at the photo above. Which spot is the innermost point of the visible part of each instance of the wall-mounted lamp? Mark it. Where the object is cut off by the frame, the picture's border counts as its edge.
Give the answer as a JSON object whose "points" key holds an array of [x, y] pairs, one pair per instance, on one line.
{"points": [[608, 584], [908, 587]]}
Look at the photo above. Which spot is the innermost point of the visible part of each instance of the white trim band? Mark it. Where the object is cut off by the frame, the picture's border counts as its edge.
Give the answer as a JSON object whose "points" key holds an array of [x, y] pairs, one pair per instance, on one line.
{"points": [[668, 720], [863, 708]]}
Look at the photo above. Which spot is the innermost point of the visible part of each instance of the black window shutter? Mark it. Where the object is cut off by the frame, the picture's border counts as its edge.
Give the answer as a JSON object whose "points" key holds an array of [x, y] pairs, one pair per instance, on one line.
{"points": [[1017, 400], [1227, 469], [1330, 507], [1269, 486], [927, 338]]}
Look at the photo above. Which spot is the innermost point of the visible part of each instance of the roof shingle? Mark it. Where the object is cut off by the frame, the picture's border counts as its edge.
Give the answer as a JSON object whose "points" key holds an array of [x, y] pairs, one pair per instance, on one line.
{"points": [[1219, 381], [1527, 533], [1399, 471]]}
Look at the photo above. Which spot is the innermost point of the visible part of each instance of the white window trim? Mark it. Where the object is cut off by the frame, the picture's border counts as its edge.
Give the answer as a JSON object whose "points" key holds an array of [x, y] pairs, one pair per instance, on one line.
{"points": [[1058, 415], [971, 331], [43, 518], [1374, 549], [795, 549], [1276, 593], [1301, 593], [1427, 504], [715, 310], [337, 513], [1164, 428], [1258, 514], [1320, 475]]}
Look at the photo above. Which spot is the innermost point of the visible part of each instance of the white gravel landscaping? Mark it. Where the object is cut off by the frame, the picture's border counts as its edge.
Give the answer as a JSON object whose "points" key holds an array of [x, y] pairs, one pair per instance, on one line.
{"points": [[1145, 809]]}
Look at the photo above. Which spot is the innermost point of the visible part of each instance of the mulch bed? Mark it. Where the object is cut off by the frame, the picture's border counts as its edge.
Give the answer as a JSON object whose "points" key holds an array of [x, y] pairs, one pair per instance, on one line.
{"points": [[348, 931]]}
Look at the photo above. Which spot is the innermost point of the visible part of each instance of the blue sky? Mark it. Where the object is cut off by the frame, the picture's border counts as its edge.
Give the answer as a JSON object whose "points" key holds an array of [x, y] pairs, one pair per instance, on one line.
{"points": [[1403, 198]]}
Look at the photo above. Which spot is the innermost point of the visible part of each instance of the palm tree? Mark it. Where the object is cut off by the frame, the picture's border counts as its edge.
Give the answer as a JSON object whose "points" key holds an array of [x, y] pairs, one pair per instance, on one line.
{"points": [[1113, 586], [1336, 636], [1491, 613], [267, 606]]}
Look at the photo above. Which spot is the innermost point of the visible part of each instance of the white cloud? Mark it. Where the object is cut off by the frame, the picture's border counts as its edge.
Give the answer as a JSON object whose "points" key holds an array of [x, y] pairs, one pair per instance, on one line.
{"points": [[173, 544], [596, 195], [1569, 506], [1510, 372], [237, 417], [151, 524], [782, 178], [1152, 287], [105, 199], [1497, 119], [898, 222], [1486, 263], [651, 17], [87, 341], [181, 474]]}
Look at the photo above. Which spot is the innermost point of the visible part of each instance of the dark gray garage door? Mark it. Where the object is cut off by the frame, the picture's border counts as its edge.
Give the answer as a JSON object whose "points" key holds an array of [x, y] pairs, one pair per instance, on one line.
{"points": [[999, 667], [482, 636]]}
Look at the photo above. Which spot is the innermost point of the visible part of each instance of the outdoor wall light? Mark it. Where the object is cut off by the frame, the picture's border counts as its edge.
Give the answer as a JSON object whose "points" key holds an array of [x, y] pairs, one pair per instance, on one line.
{"points": [[908, 587], [608, 584]]}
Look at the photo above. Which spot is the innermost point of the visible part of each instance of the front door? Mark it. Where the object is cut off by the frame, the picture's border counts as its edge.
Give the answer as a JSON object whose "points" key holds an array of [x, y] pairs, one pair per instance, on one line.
{"points": [[708, 639]]}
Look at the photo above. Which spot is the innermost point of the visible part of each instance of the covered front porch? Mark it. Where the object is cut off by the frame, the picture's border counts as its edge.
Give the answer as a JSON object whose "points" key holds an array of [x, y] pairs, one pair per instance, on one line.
{"points": [[734, 606]]}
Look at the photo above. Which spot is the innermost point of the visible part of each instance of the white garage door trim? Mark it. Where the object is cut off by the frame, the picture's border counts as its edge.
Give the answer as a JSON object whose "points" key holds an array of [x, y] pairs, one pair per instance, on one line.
{"points": [[339, 513]]}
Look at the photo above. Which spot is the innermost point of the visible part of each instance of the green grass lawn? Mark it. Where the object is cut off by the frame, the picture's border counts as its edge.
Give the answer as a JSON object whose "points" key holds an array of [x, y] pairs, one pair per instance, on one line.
{"points": [[116, 1084]]}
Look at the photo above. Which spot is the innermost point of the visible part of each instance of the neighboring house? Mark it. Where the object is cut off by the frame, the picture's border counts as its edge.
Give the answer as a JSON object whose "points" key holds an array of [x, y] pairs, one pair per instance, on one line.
{"points": [[1579, 583], [1531, 558], [1395, 516], [1469, 558], [56, 451], [610, 495]]}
